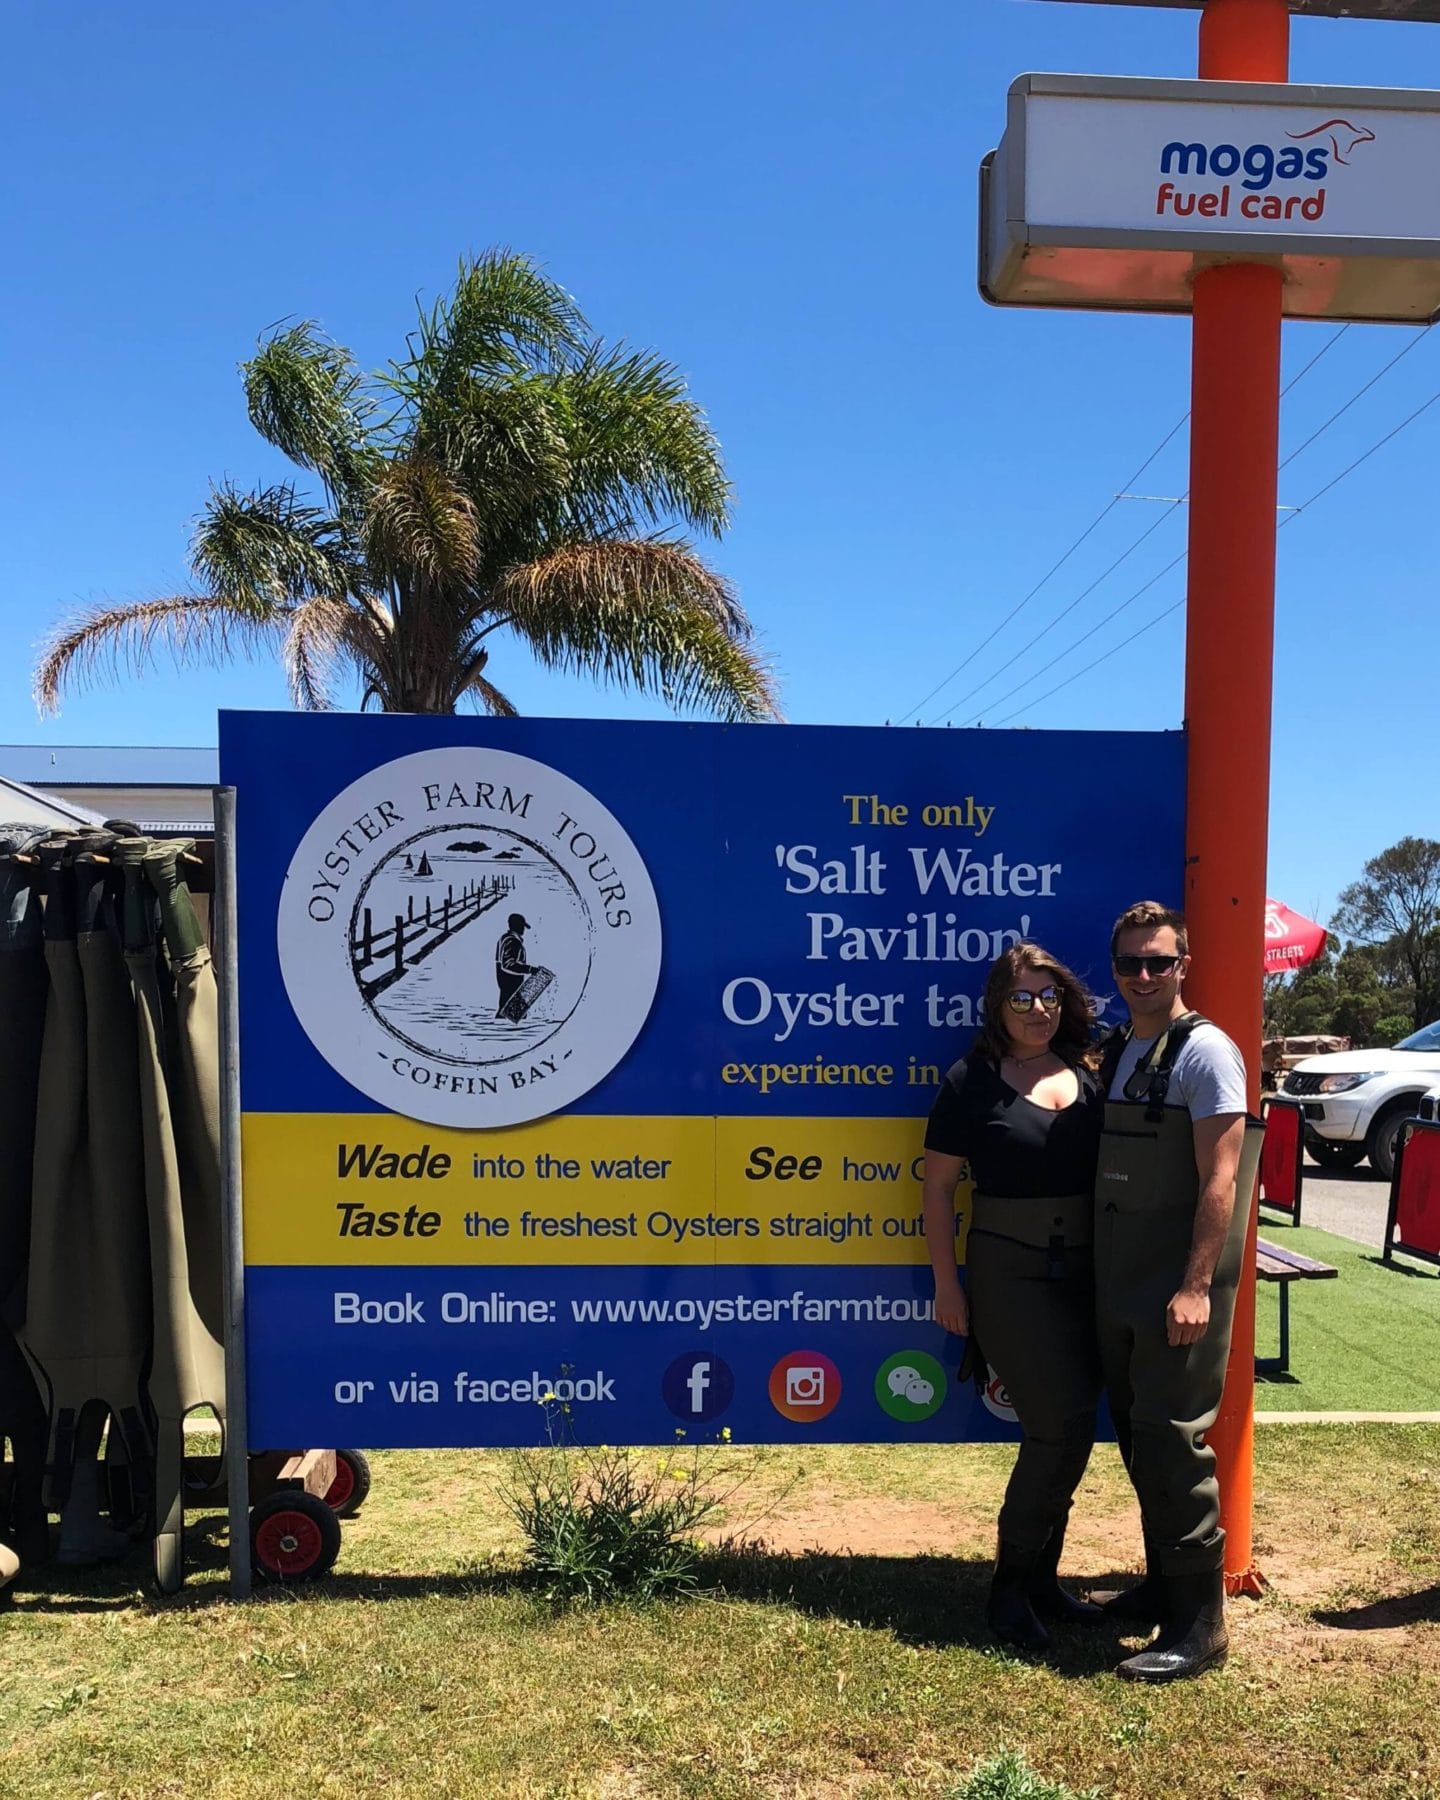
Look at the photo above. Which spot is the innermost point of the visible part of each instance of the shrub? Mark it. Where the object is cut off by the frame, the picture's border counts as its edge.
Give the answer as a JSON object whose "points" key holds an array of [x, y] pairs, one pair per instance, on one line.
{"points": [[1009, 1777], [606, 1524]]}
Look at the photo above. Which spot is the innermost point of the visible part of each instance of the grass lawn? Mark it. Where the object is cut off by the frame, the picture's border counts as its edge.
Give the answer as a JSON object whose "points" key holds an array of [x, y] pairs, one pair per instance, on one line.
{"points": [[841, 1657], [1368, 1341]]}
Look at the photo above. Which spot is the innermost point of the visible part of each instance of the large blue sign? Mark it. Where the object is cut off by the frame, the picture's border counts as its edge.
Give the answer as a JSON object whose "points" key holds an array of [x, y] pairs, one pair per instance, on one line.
{"points": [[584, 1065]]}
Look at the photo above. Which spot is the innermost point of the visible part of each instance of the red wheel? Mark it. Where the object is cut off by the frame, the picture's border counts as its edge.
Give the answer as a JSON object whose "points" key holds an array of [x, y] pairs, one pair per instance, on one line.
{"points": [[348, 1491], [293, 1537]]}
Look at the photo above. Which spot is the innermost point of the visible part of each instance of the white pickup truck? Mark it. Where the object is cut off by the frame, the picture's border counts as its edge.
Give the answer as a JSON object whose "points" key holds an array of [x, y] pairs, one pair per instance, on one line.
{"points": [[1356, 1100]]}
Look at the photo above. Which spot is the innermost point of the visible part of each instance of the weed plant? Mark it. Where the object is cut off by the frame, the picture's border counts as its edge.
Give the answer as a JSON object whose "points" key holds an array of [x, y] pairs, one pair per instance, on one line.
{"points": [[603, 1524], [1010, 1777]]}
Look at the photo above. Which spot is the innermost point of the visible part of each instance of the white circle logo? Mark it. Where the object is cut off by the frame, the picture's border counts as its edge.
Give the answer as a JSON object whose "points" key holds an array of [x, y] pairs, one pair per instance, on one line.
{"points": [[469, 937]]}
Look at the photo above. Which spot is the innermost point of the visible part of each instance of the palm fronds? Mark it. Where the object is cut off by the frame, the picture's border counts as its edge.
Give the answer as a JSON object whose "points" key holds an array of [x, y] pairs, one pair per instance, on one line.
{"points": [[306, 396], [421, 528], [509, 471], [646, 613], [641, 449], [267, 548], [108, 639]]}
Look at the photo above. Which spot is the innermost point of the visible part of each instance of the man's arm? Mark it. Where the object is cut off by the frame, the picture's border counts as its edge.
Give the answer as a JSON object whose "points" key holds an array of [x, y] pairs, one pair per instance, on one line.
{"points": [[1217, 1160]]}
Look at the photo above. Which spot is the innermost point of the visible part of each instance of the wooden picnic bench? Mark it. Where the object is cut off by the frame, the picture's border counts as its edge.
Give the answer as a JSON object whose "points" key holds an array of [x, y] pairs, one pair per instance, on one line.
{"points": [[1273, 1263]]}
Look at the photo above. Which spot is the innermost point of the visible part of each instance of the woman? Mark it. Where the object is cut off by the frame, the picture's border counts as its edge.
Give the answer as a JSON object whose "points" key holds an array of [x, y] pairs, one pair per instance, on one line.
{"points": [[1024, 1111]]}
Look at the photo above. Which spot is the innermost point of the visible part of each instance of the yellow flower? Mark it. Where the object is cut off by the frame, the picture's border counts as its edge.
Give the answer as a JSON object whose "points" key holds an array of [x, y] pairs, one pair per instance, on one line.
{"points": [[679, 1432], [546, 1399], [724, 1434]]}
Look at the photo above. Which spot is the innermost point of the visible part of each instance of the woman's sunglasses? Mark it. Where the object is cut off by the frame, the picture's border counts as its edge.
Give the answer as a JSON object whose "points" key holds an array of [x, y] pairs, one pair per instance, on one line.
{"points": [[1140, 965], [1022, 999]]}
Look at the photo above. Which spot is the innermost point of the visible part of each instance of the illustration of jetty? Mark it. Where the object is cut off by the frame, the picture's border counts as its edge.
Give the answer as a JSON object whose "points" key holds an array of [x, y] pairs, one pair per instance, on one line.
{"points": [[380, 958]]}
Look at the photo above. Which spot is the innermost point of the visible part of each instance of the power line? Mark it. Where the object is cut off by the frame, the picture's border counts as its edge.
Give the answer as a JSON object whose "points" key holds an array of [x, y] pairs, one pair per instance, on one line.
{"points": [[1324, 350], [1084, 594], [1304, 506], [1099, 626], [1379, 444], [1358, 395], [1054, 569], [1045, 630], [1103, 657]]}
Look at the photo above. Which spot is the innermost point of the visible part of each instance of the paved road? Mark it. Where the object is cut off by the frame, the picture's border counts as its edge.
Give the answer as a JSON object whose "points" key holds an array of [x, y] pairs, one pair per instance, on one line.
{"points": [[1352, 1204]]}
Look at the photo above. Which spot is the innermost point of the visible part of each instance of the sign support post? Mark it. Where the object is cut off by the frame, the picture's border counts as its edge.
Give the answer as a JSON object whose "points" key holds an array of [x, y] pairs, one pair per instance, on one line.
{"points": [[237, 1430], [1229, 655]]}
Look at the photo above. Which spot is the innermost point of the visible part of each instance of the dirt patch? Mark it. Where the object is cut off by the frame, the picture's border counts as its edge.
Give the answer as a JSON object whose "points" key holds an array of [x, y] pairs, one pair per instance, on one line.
{"points": [[844, 1525], [1299, 1617]]}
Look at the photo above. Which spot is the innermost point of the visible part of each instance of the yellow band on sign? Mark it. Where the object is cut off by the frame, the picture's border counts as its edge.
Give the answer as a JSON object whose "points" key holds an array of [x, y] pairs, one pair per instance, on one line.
{"points": [[375, 1189]]}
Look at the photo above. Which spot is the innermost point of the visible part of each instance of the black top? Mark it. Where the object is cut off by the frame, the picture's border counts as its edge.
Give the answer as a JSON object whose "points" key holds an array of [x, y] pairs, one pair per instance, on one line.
{"points": [[1016, 1149]]}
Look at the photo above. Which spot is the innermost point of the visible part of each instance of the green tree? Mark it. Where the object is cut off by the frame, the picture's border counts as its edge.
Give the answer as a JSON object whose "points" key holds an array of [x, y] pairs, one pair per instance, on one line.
{"points": [[1394, 911], [509, 472]]}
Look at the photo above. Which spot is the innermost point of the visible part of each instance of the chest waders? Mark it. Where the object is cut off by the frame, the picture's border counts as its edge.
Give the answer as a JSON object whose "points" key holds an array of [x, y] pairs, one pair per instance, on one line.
{"points": [[1163, 1397], [23, 988], [1030, 1284]]}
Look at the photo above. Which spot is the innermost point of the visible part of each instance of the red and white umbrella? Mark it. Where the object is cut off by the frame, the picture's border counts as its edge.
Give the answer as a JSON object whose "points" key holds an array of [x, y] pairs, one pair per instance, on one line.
{"points": [[1291, 940]]}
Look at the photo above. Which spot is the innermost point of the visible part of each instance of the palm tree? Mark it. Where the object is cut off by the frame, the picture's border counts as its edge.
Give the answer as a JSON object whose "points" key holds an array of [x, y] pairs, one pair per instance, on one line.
{"points": [[508, 472]]}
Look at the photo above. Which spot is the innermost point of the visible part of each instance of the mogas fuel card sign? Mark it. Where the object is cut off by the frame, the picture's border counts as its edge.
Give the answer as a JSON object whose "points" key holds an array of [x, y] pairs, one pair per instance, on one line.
{"points": [[590, 1060], [1112, 190]]}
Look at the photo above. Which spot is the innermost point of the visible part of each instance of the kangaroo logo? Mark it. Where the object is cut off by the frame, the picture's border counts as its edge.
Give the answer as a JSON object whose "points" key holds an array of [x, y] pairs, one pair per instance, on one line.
{"points": [[1344, 137]]}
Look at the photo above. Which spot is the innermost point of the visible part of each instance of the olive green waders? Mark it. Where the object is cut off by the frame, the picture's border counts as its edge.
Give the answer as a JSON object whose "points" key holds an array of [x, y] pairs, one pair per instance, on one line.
{"points": [[23, 987], [87, 1323], [1030, 1283], [1164, 1397], [1031, 1293], [174, 1035]]}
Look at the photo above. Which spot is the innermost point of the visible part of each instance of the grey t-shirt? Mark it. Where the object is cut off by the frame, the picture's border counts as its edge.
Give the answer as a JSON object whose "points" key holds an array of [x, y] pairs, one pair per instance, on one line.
{"points": [[1208, 1077]]}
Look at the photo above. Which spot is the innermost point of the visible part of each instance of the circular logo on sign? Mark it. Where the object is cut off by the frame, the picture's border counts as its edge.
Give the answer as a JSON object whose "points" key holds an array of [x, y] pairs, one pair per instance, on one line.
{"points": [[469, 937], [804, 1386], [698, 1386], [910, 1386]]}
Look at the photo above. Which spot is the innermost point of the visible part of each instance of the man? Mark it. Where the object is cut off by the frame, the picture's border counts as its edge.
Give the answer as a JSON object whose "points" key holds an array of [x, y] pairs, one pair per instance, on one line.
{"points": [[1168, 1243], [511, 967]]}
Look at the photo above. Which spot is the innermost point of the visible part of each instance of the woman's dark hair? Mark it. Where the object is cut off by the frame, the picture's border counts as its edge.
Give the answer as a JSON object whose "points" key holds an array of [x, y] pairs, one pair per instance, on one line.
{"points": [[1074, 1039]]}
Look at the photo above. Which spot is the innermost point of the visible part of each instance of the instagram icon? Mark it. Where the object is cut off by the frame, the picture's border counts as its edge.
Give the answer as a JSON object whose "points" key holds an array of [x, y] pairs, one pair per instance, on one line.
{"points": [[804, 1386]]}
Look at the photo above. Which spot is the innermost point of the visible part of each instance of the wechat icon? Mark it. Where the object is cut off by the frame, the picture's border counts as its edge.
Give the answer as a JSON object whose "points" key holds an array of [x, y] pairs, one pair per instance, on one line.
{"points": [[910, 1386]]}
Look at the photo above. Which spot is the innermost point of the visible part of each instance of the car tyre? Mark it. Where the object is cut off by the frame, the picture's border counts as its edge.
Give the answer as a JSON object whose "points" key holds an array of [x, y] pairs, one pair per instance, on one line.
{"points": [[1384, 1139], [1331, 1155]]}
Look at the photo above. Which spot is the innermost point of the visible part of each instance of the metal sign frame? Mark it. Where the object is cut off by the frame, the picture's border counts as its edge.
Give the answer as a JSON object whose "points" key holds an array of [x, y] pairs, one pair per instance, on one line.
{"points": [[1007, 237]]}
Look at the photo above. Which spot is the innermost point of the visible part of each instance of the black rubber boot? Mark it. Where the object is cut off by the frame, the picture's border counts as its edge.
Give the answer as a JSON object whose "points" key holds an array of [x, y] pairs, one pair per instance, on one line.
{"points": [[1052, 1601], [1009, 1612], [1194, 1640], [1143, 1604]]}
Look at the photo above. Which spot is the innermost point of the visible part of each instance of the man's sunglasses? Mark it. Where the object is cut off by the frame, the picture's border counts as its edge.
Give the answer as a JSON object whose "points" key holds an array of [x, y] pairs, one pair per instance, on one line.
{"points": [[1022, 999], [1141, 965]]}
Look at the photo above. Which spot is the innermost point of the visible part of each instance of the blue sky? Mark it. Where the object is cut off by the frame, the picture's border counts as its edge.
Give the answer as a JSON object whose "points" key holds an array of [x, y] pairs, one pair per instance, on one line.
{"points": [[780, 198]]}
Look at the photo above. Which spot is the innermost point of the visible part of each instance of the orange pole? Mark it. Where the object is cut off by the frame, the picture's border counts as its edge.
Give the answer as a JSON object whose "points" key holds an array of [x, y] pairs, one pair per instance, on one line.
{"points": [[1229, 657]]}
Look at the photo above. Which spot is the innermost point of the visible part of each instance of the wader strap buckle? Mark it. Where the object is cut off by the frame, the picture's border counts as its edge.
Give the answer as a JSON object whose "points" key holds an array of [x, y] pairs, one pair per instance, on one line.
{"points": [[1157, 1063]]}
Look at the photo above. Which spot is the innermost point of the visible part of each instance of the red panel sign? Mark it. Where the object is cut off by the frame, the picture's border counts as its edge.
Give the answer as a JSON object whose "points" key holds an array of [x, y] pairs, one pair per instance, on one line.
{"points": [[1282, 1157], [1415, 1204]]}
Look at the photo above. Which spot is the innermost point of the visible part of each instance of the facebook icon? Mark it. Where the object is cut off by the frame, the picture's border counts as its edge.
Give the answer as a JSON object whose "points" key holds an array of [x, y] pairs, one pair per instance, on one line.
{"points": [[698, 1386]]}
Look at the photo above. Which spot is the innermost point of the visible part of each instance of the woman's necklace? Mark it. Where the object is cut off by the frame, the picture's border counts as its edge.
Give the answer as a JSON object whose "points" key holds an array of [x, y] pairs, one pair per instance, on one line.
{"points": [[1029, 1059]]}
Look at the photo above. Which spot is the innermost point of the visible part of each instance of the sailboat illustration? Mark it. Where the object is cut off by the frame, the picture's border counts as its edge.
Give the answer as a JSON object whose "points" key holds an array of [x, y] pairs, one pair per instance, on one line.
{"points": [[409, 862], [424, 868]]}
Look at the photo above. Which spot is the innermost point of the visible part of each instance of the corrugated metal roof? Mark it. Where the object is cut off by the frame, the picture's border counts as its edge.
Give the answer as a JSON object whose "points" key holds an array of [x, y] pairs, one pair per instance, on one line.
{"points": [[111, 765]]}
